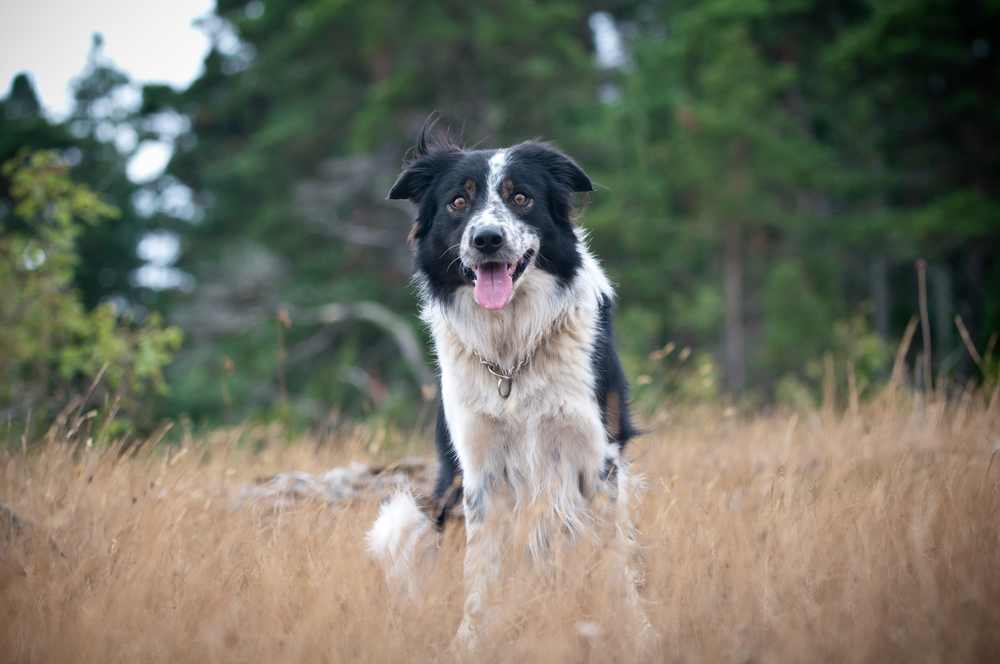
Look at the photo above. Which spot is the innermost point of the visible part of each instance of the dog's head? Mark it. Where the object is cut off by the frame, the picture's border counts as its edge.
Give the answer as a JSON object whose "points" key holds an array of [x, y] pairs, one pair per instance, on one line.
{"points": [[485, 218]]}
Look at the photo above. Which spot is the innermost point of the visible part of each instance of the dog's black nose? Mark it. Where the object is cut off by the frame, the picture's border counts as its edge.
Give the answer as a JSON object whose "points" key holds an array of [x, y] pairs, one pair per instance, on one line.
{"points": [[488, 240]]}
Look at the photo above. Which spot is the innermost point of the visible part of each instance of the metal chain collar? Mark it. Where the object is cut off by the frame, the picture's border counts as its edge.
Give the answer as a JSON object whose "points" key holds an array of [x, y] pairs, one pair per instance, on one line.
{"points": [[505, 380]]}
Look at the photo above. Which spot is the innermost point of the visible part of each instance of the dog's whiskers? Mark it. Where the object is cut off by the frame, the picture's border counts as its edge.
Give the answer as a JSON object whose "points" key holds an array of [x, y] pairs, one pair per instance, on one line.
{"points": [[454, 246]]}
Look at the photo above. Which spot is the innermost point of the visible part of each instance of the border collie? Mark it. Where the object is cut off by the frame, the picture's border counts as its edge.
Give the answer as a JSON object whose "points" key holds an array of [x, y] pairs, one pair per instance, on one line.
{"points": [[534, 402]]}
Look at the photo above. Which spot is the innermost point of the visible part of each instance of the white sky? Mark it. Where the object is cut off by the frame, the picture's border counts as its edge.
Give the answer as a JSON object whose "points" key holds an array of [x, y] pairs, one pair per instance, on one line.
{"points": [[153, 40], [609, 51]]}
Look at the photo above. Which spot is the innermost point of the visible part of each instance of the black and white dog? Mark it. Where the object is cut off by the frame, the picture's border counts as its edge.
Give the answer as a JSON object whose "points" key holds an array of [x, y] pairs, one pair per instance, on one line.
{"points": [[534, 412]]}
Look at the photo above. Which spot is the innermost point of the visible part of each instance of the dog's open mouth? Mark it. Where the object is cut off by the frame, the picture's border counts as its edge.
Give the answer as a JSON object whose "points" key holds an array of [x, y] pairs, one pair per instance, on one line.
{"points": [[494, 282]]}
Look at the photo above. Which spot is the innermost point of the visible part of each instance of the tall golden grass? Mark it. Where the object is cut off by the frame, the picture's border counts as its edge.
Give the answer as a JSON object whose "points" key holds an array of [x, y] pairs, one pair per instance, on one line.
{"points": [[807, 536]]}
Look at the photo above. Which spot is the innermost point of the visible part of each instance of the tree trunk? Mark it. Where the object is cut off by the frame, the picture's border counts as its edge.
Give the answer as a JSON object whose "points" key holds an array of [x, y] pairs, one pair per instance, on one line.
{"points": [[880, 295], [943, 317], [735, 369]]}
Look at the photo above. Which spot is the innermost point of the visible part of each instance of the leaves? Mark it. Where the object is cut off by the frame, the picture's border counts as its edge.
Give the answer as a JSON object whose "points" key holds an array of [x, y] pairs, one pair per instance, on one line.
{"points": [[51, 346]]}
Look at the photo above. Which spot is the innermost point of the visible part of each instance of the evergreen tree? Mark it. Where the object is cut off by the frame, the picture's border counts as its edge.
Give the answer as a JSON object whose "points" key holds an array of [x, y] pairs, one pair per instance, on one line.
{"points": [[88, 142], [299, 126], [922, 80], [728, 220]]}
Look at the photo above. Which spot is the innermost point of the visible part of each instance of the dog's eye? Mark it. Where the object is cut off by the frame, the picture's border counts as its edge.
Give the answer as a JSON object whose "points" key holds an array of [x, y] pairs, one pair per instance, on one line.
{"points": [[520, 199], [459, 202]]}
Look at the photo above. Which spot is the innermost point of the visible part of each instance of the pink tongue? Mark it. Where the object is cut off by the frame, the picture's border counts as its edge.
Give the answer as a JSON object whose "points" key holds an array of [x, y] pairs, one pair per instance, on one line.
{"points": [[493, 285]]}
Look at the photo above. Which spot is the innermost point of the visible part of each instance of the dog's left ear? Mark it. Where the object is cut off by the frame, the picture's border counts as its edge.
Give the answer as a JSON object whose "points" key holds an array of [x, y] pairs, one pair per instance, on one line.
{"points": [[414, 182], [565, 170], [431, 157], [573, 175]]}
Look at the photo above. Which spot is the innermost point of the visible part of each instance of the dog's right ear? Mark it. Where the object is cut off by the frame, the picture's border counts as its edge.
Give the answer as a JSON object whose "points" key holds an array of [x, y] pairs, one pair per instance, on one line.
{"points": [[430, 156], [416, 179]]}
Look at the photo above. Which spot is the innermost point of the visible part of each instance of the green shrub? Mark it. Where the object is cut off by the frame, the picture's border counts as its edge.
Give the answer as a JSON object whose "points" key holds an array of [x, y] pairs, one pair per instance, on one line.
{"points": [[51, 347]]}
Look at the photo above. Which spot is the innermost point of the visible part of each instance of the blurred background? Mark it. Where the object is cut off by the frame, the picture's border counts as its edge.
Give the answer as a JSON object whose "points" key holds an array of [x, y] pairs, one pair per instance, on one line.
{"points": [[767, 174]]}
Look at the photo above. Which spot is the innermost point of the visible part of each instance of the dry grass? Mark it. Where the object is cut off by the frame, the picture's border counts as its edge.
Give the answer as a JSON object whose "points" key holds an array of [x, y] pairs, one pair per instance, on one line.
{"points": [[809, 537]]}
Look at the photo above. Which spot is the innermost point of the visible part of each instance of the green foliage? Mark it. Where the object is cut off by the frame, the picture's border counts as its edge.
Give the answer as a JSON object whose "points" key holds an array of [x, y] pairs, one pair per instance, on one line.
{"points": [[716, 148], [798, 324], [781, 142], [51, 346], [106, 250], [855, 353], [866, 352], [755, 163], [920, 77], [670, 376]]}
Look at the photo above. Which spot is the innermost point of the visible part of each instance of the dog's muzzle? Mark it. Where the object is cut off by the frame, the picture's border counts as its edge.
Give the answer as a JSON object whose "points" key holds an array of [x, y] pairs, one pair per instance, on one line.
{"points": [[494, 280]]}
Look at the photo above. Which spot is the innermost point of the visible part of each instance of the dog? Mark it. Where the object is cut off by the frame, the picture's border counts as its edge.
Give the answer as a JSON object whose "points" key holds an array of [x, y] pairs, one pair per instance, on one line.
{"points": [[534, 411]]}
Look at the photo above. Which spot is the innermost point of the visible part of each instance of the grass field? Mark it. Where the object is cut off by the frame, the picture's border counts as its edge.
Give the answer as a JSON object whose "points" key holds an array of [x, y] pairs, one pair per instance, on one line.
{"points": [[806, 537]]}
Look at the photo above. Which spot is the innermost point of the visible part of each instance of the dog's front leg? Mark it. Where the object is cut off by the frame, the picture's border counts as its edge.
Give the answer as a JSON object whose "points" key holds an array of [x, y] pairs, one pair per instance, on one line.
{"points": [[483, 552]]}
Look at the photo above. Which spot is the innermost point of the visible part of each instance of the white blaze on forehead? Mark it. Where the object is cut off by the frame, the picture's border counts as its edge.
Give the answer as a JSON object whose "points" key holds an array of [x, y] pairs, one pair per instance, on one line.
{"points": [[498, 168]]}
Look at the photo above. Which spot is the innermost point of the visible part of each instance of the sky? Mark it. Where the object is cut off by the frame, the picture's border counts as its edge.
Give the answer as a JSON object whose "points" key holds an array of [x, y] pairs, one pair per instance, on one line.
{"points": [[153, 40]]}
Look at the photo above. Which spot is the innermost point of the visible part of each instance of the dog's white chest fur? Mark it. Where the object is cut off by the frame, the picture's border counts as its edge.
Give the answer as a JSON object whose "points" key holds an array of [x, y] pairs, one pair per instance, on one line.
{"points": [[546, 440]]}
